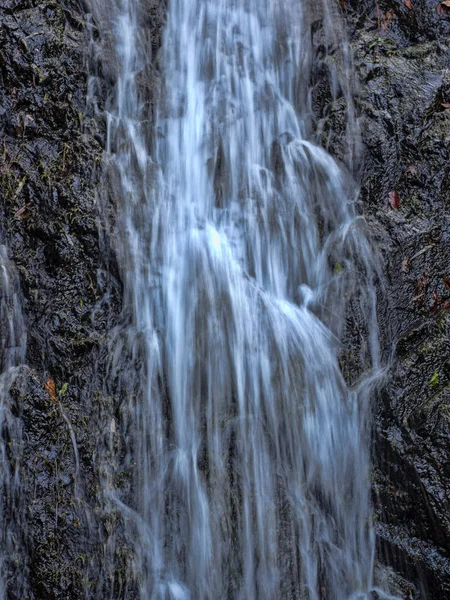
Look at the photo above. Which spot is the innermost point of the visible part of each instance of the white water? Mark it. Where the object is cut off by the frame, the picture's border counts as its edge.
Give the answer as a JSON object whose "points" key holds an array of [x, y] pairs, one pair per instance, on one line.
{"points": [[12, 355], [240, 250]]}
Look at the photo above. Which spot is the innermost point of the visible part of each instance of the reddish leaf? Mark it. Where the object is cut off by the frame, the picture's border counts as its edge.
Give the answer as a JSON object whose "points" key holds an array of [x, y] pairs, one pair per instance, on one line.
{"points": [[445, 305], [408, 4], [394, 200], [445, 105], [446, 281], [384, 19], [421, 289], [50, 387], [437, 302], [388, 17], [439, 305]]}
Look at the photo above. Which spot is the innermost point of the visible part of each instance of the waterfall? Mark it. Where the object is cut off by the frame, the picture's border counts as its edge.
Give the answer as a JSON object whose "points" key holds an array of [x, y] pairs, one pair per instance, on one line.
{"points": [[12, 355], [241, 253]]}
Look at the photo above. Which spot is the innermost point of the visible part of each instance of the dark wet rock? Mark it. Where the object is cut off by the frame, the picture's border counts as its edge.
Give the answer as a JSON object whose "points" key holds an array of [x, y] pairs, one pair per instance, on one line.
{"points": [[402, 57], [52, 132], [388, 579], [51, 149]]}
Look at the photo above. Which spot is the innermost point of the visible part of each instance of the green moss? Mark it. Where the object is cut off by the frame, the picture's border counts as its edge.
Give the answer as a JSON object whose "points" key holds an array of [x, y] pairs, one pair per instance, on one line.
{"points": [[435, 400], [434, 381]]}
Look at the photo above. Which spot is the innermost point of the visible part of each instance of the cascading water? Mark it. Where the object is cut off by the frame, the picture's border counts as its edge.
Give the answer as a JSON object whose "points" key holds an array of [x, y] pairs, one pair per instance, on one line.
{"points": [[12, 355], [240, 250]]}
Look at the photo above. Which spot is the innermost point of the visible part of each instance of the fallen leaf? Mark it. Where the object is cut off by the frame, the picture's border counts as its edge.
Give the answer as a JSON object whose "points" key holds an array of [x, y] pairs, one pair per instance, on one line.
{"points": [[443, 7], [50, 387], [445, 305], [384, 18], [445, 104], [394, 200], [408, 3], [437, 302], [446, 281], [411, 169], [406, 265], [387, 19]]}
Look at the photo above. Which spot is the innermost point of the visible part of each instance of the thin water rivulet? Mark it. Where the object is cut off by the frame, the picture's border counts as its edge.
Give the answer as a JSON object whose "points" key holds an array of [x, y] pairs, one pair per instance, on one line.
{"points": [[12, 356], [240, 249]]}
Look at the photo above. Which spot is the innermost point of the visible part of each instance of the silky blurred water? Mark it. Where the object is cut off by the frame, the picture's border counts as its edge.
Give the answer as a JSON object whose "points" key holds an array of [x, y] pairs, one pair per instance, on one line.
{"points": [[12, 355], [240, 250]]}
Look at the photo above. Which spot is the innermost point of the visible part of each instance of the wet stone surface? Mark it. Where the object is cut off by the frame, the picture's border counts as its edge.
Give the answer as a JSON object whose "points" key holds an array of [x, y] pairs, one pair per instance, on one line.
{"points": [[402, 58], [50, 154], [51, 148]]}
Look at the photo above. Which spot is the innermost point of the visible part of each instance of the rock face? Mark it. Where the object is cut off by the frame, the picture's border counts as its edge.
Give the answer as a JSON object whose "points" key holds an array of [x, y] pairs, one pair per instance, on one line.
{"points": [[50, 154], [402, 56], [64, 450], [51, 148]]}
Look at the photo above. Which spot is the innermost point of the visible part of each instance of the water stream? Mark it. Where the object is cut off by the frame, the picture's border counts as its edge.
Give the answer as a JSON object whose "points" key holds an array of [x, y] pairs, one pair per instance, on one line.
{"points": [[12, 355], [240, 249]]}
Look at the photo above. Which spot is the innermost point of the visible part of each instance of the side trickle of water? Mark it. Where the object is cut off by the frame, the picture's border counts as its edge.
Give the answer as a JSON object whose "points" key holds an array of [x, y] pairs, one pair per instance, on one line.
{"points": [[240, 249], [12, 355]]}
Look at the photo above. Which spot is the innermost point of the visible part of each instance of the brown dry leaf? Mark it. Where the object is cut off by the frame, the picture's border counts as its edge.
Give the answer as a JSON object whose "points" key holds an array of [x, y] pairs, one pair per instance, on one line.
{"points": [[443, 7], [50, 387], [406, 265], [446, 281], [394, 200], [384, 19], [408, 4], [387, 19], [437, 302]]}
